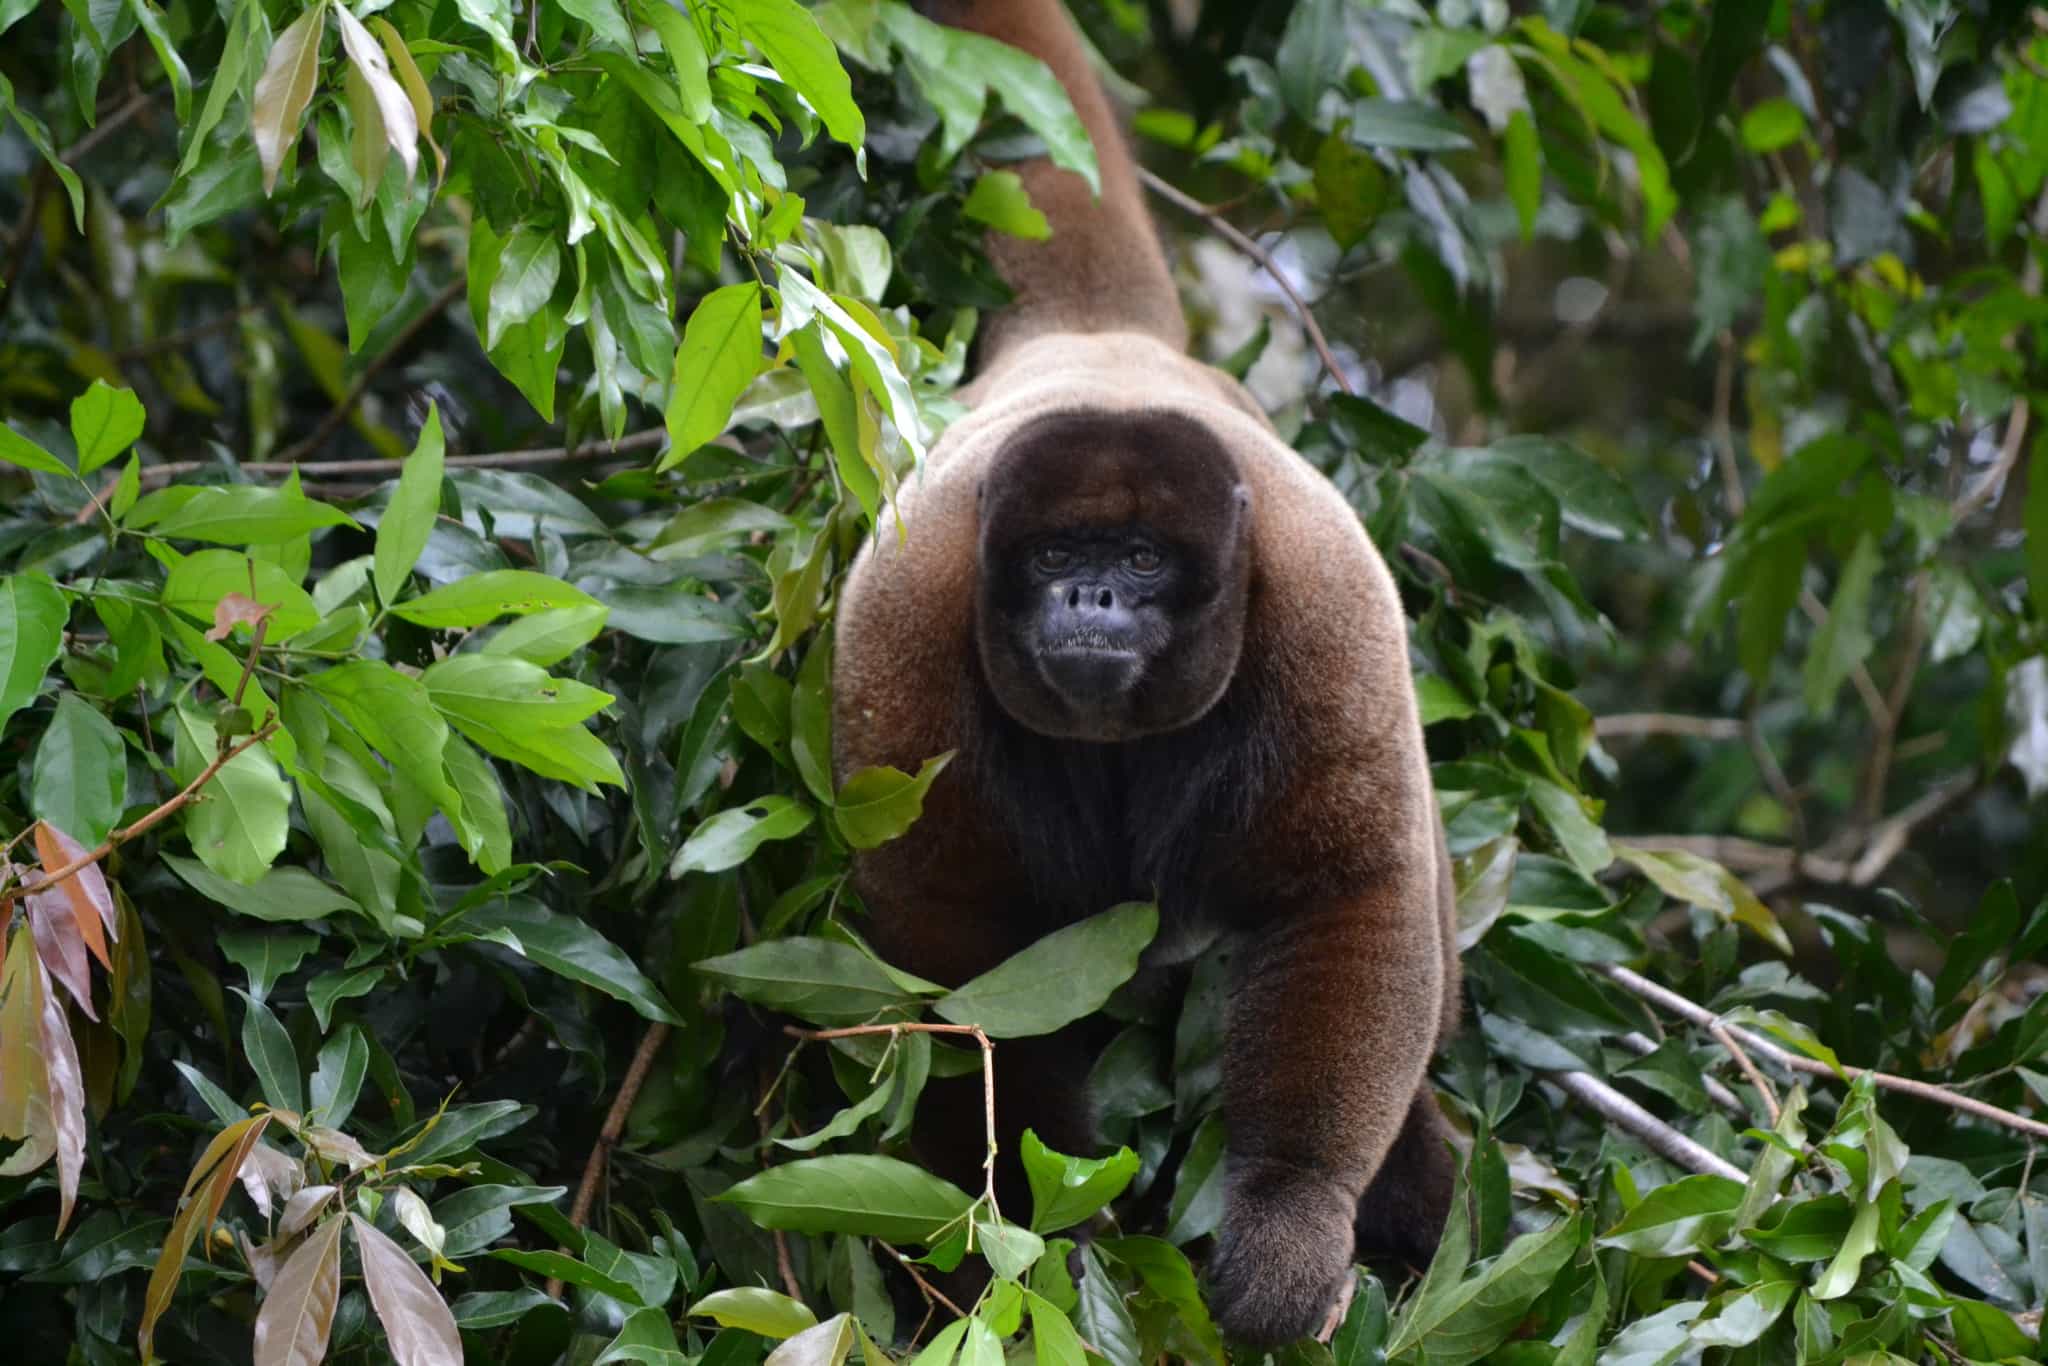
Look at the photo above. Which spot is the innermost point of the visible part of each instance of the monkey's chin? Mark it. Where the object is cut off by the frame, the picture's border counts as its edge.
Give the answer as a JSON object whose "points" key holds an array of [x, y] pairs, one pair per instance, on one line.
{"points": [[1094, 681]]}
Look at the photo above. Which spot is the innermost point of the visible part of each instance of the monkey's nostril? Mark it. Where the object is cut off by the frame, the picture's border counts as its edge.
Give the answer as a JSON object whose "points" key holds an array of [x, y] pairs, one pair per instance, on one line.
{"points": [[1073, 597], [1105, 599]]}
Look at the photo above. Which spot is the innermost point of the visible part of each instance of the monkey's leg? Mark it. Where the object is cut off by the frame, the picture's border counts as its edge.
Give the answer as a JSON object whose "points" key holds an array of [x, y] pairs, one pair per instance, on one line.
{"points": [[1330, 1030], [1403, 1211]]}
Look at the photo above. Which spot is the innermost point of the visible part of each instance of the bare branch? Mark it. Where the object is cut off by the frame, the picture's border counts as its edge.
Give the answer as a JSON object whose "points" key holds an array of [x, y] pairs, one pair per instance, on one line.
{"points": [[1699, 1015], [10, 895], [1632, 725], [1222, 228], [347, 403], [1631, 1118], [608, 1133]]}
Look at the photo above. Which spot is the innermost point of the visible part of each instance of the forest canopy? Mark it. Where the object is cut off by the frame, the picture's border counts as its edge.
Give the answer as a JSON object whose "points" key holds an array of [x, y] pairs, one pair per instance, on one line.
{"points": [[432, 439]]}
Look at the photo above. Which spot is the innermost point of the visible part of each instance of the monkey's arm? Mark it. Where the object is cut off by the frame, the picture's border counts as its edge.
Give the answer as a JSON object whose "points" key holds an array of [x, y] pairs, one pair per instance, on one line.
{"points": [[1331, 1025], [1102, 269]]}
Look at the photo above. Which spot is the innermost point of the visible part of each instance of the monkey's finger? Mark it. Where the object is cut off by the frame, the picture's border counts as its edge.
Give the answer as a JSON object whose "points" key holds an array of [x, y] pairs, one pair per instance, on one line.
{"points": [[1338, 1310]]}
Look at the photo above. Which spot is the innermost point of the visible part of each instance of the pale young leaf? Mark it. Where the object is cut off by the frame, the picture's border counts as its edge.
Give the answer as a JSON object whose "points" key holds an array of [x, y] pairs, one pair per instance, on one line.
{"points": [[417, 1325], [285, 89], [298, 1313], [400, 118], [59, 946], [237, 609], [303, 1208]]}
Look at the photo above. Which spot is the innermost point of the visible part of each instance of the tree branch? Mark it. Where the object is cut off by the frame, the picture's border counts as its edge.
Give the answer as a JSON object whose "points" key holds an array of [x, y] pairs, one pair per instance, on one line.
{"points": [[1631, 1118], [608, 1133], [1222, 228], [1697, 1014], [116, 839], [347, 404], [988, 1079], [1633, 725]]}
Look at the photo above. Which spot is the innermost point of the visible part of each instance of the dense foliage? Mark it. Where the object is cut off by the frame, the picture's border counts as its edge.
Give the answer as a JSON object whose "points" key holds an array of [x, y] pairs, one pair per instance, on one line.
{"points": [[433, 434]]}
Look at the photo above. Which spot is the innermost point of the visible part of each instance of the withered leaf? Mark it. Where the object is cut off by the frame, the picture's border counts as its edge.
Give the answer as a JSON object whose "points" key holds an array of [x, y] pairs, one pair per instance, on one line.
{"points": [[58, 944], [86, 890], [212, 1175], [237, 609]]}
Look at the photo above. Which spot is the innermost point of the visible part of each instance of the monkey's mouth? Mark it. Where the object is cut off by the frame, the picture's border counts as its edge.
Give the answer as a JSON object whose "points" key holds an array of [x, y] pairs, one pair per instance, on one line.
{"points": [[1090, 668]]}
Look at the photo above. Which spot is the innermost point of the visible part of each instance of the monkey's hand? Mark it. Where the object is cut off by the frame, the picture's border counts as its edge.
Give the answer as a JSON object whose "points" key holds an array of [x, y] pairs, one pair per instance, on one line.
{"points": [[1283, 1254]]}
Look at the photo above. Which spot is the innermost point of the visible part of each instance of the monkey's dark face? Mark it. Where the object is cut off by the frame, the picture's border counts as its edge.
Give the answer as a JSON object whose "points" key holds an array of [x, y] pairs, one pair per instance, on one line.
{"points": [[1112, 582]]}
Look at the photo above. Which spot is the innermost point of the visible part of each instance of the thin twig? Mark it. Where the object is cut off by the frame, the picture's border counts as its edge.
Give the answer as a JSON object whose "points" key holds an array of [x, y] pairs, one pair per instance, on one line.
{"points": [[1642, 1045], [1723, 426], [608, 1133], [116, 839], [311, 470], [930, 1291], [1699, 1015], [1757, 1079], [1633, 725], [988, 1078], [1992, 480], [1866, 687], [1189, 204], [1878, 771], [1659, 1137], [347, 404], [185, 336], [106, 128]]}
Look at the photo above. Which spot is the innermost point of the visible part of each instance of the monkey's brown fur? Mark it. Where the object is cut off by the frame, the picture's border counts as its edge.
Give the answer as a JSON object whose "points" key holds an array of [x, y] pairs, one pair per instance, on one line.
{"points": [[1294, 813]]}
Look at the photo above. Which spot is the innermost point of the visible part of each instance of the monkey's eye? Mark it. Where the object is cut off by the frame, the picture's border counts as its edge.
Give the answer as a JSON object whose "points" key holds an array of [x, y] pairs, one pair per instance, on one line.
{"points": [[1052, 559], [1143, 559]]}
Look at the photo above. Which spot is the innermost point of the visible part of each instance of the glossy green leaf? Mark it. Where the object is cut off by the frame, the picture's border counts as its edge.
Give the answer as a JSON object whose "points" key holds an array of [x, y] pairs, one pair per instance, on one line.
{"points": [[409, 517], [79, 782], [105, 422], [1064, 976], [719, 357], [32, 617], [730, 838], [877, 1196], [482, 598]]}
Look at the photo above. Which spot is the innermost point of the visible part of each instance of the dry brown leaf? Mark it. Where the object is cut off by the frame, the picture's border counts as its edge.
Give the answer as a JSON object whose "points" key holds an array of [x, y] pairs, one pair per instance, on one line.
{"points": [[270, 1176], [51, 925], [92, 905], [24, 1088], [417, 1325], [66, 1093], [237, 609], [298, 1312]]}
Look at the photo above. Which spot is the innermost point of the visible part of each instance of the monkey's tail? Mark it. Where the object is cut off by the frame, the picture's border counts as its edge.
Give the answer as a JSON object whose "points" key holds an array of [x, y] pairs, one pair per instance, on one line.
{"points": [[1102, 269]]}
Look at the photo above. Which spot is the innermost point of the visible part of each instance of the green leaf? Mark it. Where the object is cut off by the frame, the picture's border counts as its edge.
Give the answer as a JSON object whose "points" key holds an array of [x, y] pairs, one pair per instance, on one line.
{"points": [[685, 46], [266, 955], [1057, 980], [2034, 517], [548, 636], [80, 780], [1771, 124], [1522, 153], [1843, 640], [1066, 1190], [879, 1197], [151, 21], [1053, 1339], [561, 1266], [280, 895], [238, 828], [242, 514], [32, 617], [104, 422], [1681, 1217], [396, 715], [730, 838], [647, 1336], [1701, 882], [485, 597], [1467, 1320], [285, 88], [198, 582], [479, 818], [570, 948], [18, 450], [269, 1052], [528, 268], [820, 980], [1010, 1251], [755, 1310], [1000, 200], [1746, 1316], [1591, 498], [1406, 125], [802, 55], [719, 357], [1847, 1265], [877, 804], [409, 517], [338, 1075]]}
